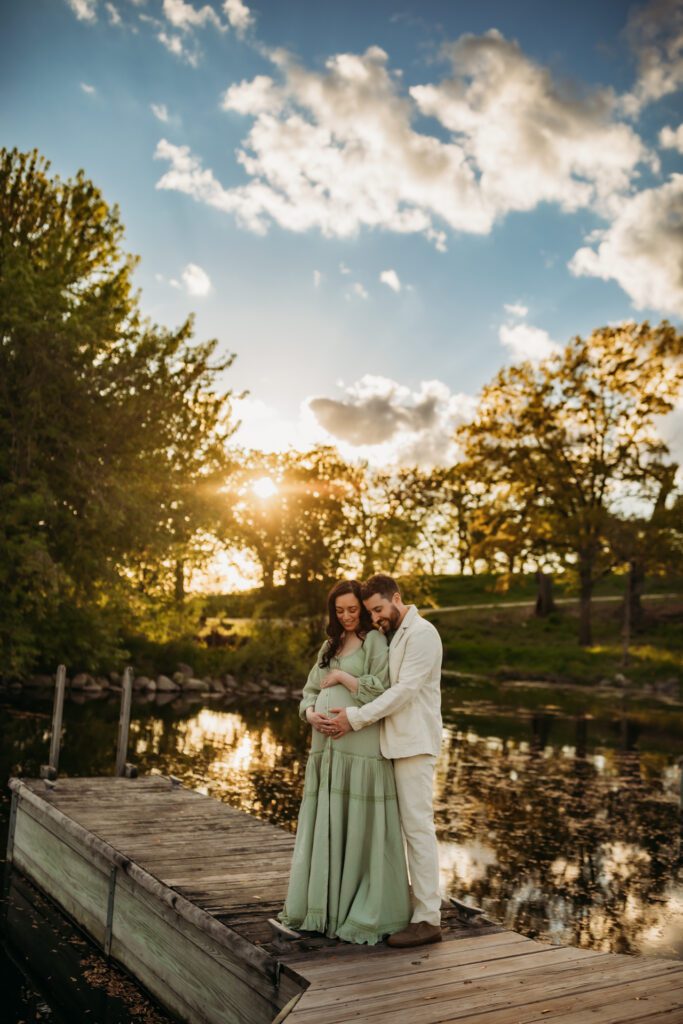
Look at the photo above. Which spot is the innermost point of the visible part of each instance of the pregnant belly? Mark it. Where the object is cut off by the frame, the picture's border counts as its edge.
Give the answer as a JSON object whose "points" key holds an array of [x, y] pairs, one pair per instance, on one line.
{"points": [[336, 696], [365, 742]]}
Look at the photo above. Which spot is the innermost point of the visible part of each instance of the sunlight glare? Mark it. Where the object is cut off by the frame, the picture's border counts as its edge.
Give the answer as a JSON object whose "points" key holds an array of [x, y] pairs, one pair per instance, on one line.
{"points": [[264, 488]]}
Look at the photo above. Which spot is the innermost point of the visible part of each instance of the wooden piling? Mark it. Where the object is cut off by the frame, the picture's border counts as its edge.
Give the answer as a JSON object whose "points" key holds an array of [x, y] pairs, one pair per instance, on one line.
{"points": [[124, 722], [50, 770]]}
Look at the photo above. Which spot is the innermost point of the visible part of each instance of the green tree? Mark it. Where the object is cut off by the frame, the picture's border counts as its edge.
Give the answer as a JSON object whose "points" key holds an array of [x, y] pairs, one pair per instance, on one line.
{"points": [[112, 430], [295, 527], [576, 436], [646, 545], [386, 513]]}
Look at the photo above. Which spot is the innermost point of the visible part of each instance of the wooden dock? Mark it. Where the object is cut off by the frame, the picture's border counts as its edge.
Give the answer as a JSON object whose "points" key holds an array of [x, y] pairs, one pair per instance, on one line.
{"points": [[178, 888]]}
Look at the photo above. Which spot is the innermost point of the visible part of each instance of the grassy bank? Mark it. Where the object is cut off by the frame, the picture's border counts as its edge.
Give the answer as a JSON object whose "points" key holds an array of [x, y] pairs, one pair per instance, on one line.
{"points": [[489, 589], [248, 636], [439, 591], [513, 643]]}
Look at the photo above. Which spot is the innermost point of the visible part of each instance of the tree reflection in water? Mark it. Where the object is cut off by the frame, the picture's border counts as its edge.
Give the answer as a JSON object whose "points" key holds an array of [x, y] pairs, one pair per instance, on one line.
{"points": [[556, 842], [564, 828]]}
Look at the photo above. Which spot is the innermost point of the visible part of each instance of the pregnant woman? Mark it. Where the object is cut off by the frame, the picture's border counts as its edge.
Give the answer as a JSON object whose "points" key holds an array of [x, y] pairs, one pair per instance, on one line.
{"points": [[348, 876]]}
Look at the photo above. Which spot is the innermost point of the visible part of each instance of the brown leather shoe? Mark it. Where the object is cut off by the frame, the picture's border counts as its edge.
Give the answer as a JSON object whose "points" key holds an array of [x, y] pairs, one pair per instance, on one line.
{"points": [[418, 933]]}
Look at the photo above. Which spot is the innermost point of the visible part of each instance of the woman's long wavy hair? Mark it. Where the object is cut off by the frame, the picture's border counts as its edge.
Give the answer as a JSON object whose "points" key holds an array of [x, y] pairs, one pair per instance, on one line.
{"points": [[334, 629]]}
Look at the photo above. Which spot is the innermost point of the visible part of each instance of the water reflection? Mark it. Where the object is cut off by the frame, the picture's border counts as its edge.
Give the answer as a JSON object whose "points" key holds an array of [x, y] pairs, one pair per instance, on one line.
{"points": [[556, 842], [562, 827]]}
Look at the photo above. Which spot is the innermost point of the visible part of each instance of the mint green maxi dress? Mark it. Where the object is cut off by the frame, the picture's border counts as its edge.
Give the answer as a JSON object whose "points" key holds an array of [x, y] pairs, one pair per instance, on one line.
{"points": [[348, 877]]}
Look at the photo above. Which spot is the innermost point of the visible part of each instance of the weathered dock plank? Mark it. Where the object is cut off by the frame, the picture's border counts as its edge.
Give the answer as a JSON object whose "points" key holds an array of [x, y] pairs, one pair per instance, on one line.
{"points": [[494, 980], [77, 843], [178, 887]]}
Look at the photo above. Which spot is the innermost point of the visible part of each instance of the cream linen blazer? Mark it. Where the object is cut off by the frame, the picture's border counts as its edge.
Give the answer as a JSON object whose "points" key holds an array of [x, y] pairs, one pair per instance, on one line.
{"points": [[410, 709]]}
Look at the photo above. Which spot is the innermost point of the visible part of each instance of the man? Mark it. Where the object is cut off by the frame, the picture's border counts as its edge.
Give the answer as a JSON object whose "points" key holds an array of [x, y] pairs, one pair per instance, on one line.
{"points": [[410, 734]]}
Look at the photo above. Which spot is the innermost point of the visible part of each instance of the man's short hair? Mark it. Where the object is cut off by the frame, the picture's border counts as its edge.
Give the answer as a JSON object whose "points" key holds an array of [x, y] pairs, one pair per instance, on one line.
{"points": [[380, 584]]}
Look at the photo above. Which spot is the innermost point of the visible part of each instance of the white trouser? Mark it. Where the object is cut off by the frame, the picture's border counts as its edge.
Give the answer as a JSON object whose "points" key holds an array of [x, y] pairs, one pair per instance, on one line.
{"points": [[414, 786]]}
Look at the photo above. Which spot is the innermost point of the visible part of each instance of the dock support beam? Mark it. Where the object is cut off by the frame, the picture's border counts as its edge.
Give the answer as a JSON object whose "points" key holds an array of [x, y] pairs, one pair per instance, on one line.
{"points": [[123, 768], [12, 826], [110, 912], [50, 770]]}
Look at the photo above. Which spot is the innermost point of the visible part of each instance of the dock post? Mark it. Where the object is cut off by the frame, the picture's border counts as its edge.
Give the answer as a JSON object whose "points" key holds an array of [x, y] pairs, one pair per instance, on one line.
{"points": [[49, 770], [123, 768], [12, 826], [6, 874], [110, 912]]}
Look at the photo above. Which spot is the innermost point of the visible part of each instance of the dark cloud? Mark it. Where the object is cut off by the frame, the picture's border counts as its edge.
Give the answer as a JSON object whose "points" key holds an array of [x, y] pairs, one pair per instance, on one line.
{"points": [[377, 411]]}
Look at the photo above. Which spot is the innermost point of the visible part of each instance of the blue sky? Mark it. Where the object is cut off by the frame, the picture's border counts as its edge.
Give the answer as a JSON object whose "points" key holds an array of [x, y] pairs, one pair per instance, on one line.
{"points": [[425, 192]]}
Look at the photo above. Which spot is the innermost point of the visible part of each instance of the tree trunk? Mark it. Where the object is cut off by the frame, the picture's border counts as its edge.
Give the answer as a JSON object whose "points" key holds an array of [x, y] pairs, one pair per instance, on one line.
{"points": [[635, 587], [626, 625], [268, 573], [585, 594], [581, 724], [545, 603], [179, 586]]}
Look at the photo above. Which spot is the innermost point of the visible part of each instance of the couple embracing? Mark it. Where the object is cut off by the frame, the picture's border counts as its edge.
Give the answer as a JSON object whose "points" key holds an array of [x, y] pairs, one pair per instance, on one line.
{"points": [[373, 699]]}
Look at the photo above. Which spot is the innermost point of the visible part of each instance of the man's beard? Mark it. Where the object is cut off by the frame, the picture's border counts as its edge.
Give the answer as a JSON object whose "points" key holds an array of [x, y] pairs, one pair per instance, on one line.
{"points": [[391, 622]]}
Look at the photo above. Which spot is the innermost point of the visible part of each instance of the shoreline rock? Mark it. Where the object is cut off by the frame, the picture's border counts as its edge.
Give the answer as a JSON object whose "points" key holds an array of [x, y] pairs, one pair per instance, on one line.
{"points": [[225, 689], [166, 685]]}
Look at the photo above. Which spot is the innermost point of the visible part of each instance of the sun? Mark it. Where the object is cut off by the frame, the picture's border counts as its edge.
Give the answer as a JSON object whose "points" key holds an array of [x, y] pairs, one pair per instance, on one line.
{"points": [[264, 487]]}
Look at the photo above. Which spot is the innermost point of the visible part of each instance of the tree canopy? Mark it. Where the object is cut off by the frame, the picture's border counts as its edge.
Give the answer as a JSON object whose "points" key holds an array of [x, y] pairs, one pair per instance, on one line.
{"points": [[119, 475], [112, 429], [573, 441]]}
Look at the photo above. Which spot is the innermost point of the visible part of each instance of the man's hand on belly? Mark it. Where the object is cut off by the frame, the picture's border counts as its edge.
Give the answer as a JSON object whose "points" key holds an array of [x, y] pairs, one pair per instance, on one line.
{"points": [[340, 725]]}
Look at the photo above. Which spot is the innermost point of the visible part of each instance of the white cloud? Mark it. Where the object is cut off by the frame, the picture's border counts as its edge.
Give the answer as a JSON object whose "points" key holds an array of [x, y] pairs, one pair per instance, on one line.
{"points": [[258, 96], [187, 175], [90, 90], [642, 249], [239, 15], [517, 309], [196, 280], [175, 45], [358, 289], [672, 138], [527, 342], [340, 155], [655, 31], [337, 150], [85, 10], [114, 16], [524, 340], [383, 420], [532, 137], [317, 278], [160, 111], [391, 279], [184, 16]]}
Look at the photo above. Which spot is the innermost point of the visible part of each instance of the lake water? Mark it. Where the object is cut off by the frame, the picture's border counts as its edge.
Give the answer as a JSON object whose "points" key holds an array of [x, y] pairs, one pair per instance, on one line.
{"points": [[559, 815]]}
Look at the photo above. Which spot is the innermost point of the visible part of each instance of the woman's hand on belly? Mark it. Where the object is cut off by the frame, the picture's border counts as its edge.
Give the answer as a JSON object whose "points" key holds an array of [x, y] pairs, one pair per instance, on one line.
{"points": [[337, 676], [318, 721]]}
